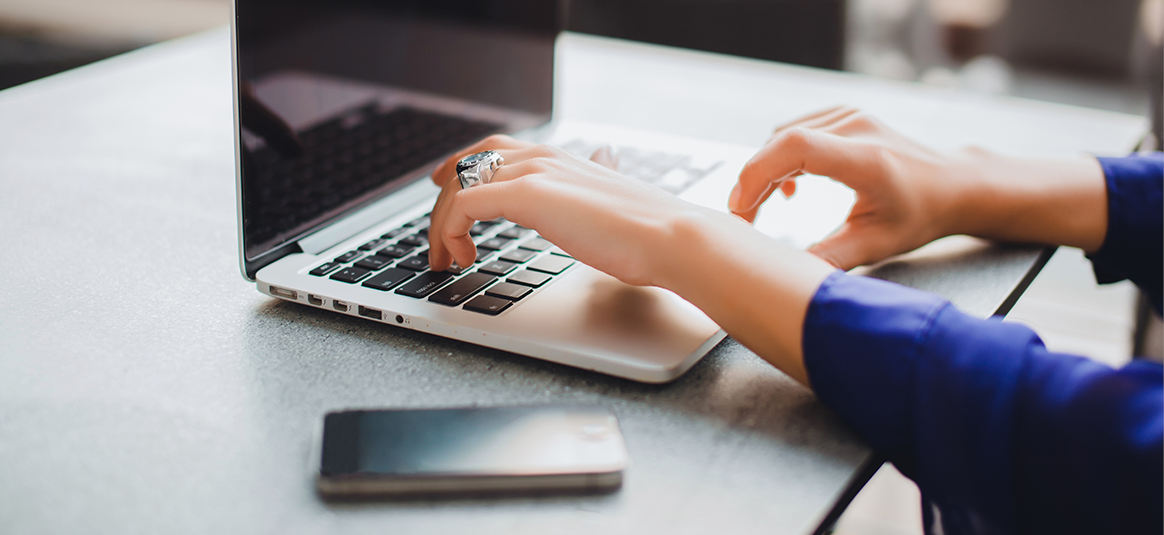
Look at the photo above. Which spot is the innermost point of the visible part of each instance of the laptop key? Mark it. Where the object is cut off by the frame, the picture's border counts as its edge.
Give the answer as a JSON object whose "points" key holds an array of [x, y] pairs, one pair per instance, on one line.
{"points": [[518, 256], [558, 251], [537, 244], [488, 305], [374, 262], [464, 288], [551, 264], [393, 233], [416, 263], [479, 229], [421, 221], [508, 290], [483, 255], [497, 267], [347, 257], [424, 284], [395, 251], [350, 275], [513, 233], [325, 268], [529, 278], [388, 279], [493, 244], [415, 240], [373, 244]]}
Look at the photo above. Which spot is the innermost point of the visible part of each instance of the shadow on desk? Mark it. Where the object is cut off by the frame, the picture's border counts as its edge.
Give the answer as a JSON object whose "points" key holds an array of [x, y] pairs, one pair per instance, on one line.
{"points": [[337, 361]]}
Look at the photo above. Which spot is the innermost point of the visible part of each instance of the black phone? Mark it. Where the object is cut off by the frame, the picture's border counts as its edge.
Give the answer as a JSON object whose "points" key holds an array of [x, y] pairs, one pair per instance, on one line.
{"points": [[470, 451]]}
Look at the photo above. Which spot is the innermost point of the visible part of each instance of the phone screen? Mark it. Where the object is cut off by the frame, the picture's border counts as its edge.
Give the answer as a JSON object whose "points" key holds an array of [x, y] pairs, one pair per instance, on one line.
{"points": [[470, 448]]}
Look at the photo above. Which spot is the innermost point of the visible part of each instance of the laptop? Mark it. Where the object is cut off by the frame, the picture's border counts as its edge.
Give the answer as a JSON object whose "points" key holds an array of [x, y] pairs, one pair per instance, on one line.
{"points": [[343, 108]]}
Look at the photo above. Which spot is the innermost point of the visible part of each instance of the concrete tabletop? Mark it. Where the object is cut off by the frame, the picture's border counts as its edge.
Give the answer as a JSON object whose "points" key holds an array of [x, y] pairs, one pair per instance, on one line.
{"points": [[145, 387]]}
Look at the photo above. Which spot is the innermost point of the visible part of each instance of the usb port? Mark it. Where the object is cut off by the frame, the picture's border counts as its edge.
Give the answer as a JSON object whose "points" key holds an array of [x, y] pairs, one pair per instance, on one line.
{"points": [[340, 306], [371, 313], [284, 293], [315, 300]]}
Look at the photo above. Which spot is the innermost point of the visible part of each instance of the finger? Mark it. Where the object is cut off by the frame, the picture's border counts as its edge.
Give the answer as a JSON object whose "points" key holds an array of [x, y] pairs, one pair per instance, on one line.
{"points": [[528, 159], [445, 171], [808, 151], [487, 201], [853, 124], [823, 121], [786, 186], [519, 163], [851, 246], [809, 117], [438, 257], [750, 215]]}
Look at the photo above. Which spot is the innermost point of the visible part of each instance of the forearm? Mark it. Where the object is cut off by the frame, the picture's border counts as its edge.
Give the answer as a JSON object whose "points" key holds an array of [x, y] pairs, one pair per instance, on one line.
{"points": [[1058, 201], [757, 290]]}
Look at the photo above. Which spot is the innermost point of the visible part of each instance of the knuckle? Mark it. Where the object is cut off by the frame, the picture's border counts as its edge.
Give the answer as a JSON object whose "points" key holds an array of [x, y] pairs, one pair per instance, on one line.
{"points": [[544, 163], [495, 140], [798, 138], [884, 159]]}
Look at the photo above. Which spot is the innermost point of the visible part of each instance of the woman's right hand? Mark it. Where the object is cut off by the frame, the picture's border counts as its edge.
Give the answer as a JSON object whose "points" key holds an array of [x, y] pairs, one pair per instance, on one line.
{"points": [[616, 224]]}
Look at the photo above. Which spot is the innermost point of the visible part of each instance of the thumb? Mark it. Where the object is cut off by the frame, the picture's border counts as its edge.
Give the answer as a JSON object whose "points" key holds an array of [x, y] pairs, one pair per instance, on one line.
{"points": [[851, 246]]}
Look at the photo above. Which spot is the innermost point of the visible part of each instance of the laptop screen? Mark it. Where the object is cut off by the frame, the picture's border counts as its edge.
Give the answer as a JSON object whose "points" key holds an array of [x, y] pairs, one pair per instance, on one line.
{"points": [[341, 102]]}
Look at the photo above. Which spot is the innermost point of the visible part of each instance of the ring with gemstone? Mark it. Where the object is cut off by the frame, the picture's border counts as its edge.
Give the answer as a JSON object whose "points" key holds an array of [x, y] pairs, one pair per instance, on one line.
{"points": [[476, 169]]}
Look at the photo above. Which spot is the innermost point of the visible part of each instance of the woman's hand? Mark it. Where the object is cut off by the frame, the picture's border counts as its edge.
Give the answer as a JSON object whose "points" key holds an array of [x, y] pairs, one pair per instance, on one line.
{"points": [[610, 222], [904, 190], [909, 195]]}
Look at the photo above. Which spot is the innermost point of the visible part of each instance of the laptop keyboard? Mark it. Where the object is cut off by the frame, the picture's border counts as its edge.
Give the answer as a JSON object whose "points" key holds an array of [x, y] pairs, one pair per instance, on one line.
{"points": [[358, 151], [512, 261]]}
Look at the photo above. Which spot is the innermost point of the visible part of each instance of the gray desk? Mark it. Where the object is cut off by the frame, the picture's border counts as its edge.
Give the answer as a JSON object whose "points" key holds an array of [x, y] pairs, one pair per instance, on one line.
{"points": [[145, 387]]}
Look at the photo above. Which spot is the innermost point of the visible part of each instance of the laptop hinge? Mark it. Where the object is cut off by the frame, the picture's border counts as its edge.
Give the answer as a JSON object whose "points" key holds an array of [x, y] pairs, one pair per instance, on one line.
{"points": [[421, 190]]}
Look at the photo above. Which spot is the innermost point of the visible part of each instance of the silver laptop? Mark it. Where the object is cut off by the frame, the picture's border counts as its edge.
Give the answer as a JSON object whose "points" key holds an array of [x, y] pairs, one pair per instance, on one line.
{"points": [[342, 108]]}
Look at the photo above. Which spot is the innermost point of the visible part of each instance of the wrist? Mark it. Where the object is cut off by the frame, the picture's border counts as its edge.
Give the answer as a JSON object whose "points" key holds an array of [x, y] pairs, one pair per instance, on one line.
{"points": [[754, 288], [674, 256], [1057, 201], [976, 196]]}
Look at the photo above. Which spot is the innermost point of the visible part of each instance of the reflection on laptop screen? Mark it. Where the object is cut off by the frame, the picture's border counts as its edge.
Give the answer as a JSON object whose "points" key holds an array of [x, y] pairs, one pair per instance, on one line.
{"points": [[341, 102]]}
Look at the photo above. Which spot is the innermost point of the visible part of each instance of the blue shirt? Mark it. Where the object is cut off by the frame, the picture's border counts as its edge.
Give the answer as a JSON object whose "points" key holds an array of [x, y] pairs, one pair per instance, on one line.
{"points": [[1000, 434]]}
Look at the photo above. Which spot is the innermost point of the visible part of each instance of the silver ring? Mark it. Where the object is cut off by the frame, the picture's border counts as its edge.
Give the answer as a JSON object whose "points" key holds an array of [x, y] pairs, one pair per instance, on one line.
{"points": [[477, 169]]}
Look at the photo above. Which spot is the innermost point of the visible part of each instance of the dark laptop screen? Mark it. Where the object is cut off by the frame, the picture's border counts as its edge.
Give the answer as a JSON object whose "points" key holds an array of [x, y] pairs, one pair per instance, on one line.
{"points": [[343, 101]]}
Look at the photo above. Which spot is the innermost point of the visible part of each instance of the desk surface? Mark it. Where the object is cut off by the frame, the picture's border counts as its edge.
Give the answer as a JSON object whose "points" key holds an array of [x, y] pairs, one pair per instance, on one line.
{"points": [[146, 387]]}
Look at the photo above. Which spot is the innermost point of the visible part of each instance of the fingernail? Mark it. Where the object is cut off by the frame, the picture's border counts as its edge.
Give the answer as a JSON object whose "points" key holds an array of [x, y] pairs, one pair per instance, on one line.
{"points": [[734, 200]]}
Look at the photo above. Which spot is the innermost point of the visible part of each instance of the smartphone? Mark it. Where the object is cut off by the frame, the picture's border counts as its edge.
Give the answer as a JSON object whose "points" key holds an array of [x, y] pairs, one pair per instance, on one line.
{"points": [[470, 451]]}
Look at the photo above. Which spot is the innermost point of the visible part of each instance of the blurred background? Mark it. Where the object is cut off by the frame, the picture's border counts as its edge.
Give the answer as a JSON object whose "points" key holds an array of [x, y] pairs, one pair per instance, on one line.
{"points": [[1096, 53]]}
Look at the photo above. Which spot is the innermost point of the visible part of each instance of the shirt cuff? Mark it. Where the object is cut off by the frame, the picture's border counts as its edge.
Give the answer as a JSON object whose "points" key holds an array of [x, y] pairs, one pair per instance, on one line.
{"points": [[1132, 245], [862, 340]]}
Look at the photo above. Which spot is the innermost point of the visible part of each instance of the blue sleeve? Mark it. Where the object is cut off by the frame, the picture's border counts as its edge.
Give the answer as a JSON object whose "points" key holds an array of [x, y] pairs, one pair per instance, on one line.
{"points": [[1001, 435], [1133, 247]]}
